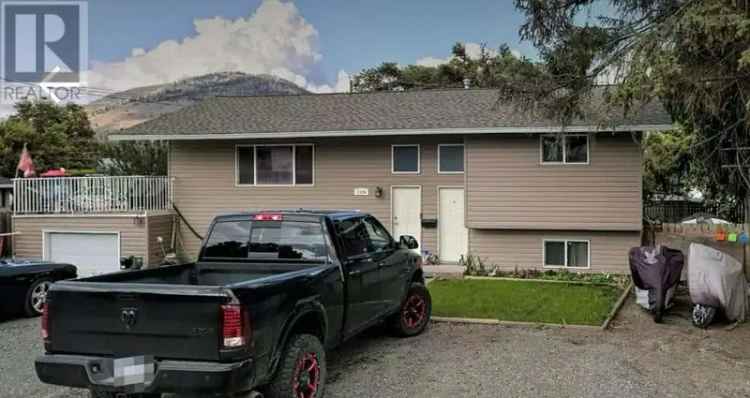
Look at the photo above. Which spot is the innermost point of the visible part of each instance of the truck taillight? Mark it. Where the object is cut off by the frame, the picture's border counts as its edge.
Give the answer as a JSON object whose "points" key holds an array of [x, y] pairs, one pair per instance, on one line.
{"points": [[45, 322], [268, 217], [235, 326]]}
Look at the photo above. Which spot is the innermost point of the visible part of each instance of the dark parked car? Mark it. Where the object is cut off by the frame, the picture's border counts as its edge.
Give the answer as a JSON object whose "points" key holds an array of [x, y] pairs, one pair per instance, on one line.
{"points": [[24, 284], [268, 295]]}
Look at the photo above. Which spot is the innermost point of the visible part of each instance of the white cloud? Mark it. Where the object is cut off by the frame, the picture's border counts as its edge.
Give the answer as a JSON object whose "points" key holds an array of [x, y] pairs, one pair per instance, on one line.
{"points": [[342, 85], [275, 40], [473, 50], [432, 61]]}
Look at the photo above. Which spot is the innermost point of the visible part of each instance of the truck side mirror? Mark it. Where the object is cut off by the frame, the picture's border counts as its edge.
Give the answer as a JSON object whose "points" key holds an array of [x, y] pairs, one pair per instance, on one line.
{"points": [[409, 242]]}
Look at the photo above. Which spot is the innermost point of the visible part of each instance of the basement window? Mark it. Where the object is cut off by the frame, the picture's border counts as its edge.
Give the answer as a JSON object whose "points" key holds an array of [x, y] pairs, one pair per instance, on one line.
{"points": [[564, 149], [282, 165], [566, 254]]}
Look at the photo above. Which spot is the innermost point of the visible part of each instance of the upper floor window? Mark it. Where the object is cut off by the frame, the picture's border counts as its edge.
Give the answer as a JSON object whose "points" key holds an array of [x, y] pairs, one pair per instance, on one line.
{"points": [[450, 158], [405, 159], [565, 149], [274, 164]]}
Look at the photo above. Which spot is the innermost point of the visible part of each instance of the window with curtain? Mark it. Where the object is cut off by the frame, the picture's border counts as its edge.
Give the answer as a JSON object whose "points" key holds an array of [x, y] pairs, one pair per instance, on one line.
{"points": [[275, 165], [565, 149]]}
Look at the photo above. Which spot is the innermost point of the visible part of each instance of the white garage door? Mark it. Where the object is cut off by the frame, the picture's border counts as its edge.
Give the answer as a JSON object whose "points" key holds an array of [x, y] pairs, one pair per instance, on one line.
{"points": [[92, 253]]}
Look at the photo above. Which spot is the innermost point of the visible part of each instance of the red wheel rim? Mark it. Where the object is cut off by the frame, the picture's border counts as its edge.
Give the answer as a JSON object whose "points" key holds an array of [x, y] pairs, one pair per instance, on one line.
{"points": [[306, 376], [414, 311]]}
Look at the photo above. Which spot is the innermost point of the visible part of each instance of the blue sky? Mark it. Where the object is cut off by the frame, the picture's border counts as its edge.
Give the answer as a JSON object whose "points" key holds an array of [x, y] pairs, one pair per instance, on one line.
{"points": [[351, 35]]}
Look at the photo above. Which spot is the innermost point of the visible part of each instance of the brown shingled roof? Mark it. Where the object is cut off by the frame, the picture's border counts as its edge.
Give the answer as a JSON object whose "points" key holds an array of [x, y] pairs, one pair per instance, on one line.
{"points": [[372, 112]]}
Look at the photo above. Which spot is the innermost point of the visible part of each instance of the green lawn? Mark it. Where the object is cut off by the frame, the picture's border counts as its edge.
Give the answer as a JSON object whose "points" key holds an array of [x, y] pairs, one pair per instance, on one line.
{"points": [[523, 301]]}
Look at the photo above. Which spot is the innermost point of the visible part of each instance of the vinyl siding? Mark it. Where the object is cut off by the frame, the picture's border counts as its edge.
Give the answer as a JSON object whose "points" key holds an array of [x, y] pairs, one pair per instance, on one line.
{"points": [[158, 225], [28, 242], [204, 181], [509, 188], [523, 249]]}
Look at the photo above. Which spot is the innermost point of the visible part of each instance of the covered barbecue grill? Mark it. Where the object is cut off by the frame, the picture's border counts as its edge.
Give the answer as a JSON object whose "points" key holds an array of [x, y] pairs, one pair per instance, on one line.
{"points": [[656, 271]]}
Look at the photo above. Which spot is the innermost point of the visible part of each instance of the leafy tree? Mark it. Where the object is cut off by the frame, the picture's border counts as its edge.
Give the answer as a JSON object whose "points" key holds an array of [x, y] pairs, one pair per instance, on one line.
{"points": [[57, 136], [692, 55], [486, 70], [134, 158], [666, 164]]}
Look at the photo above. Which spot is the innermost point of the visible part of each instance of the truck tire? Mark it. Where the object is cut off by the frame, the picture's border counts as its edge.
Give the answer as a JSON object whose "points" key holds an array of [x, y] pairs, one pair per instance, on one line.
{"points": [[35, 297], [109, 394], [302, 370], [414, 314]]}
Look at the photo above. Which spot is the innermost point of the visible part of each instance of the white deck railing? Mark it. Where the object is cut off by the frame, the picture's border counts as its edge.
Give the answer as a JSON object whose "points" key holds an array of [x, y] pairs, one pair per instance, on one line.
{"points": [[90, 195]]}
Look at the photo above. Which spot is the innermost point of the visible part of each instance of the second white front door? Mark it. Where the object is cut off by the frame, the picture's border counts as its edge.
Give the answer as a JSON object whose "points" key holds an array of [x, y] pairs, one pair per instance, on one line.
{"points": [[406, 208], [454, 236]]}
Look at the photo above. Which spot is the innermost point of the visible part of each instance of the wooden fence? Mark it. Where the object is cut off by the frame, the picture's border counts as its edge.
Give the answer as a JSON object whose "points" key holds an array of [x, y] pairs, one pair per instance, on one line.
{"points": [[675, 211], [680, 236]]}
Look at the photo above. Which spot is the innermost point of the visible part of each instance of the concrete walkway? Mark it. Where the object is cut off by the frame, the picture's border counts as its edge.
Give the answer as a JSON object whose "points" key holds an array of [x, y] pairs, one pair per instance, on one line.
{"points": [[444, 271]]}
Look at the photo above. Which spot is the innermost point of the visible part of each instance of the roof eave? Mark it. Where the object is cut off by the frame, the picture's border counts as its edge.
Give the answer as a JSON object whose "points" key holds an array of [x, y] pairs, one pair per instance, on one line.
{"points": [[165, 136]]}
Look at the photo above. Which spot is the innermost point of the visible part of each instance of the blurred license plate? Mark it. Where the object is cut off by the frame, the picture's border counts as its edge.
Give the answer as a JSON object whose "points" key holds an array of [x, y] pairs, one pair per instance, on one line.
{"points": [[133, 371]]}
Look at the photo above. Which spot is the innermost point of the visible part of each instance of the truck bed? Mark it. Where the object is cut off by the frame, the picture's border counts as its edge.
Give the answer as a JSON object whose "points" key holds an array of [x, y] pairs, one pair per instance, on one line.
{"points": [[177, 309], [200, 274]]}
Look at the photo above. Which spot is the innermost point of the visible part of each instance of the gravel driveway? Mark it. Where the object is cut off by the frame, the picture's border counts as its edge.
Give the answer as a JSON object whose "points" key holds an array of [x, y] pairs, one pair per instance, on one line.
{"points": [[637, 358]]}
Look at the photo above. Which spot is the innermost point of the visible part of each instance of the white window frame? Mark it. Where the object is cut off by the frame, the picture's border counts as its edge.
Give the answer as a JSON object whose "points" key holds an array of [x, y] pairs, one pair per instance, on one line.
{"points": [[463, 149], [565, 252], [255, 165], [564, 151], [419, 159]]}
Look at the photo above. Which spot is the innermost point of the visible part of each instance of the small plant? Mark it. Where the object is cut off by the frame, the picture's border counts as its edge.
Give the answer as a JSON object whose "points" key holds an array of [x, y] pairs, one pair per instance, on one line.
{"points": [[475, 266], [432, 259]]}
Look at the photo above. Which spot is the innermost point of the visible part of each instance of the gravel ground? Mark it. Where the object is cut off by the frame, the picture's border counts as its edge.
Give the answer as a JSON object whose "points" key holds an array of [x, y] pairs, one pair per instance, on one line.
{"points": [[636, 358]]}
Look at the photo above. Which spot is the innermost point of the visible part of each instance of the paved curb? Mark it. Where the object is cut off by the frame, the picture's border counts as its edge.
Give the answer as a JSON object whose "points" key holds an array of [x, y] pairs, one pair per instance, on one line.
{"points": [[465, 320], [616, 309]]}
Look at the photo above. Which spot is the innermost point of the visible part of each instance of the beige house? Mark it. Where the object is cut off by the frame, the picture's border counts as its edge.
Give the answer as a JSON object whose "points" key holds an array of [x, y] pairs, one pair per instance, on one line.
{"points": [[458, 170]]}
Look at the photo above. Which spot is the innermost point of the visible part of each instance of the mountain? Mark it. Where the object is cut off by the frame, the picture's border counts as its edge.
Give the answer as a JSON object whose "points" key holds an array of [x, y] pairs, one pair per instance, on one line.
{"points": [[128, 108]]}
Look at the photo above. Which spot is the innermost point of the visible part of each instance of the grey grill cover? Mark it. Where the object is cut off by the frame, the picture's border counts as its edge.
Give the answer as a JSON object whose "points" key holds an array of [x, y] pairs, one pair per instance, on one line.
{"points": [[716, 279]]}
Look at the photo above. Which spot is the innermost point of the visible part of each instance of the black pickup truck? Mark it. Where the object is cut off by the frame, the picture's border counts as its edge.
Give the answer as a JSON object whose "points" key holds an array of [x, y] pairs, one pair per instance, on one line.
{"points": [[270, 292]]}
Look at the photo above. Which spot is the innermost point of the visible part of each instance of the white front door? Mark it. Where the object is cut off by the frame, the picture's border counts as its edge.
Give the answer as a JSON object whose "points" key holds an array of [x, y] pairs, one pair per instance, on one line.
{"points": [[406, 212], [91, 253], [454, 236]]}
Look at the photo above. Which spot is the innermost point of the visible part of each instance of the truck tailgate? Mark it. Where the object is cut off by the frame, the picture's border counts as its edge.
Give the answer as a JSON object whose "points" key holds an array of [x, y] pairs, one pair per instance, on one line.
{"points": [[126, 319]]}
